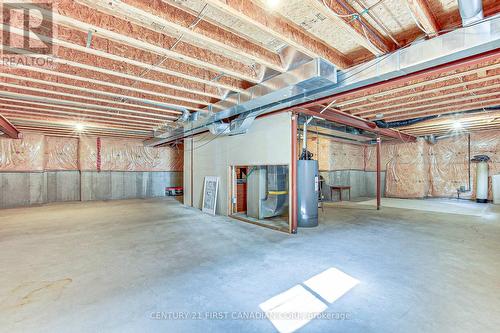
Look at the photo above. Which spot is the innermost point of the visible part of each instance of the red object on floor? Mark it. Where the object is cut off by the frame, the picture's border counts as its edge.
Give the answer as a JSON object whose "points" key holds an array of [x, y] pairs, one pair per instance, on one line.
{"points": [[98, 160], [173, 191]]}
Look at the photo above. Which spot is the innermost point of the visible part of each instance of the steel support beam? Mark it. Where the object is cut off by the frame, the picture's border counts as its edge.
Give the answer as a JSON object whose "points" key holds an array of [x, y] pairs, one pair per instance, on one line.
{"points": [[359, 123], [8, 129]]}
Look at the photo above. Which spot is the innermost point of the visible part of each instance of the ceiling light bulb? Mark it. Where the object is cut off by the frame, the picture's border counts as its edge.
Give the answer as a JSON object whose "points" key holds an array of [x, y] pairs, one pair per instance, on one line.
{"points": [[273, 3], [457, 125], [79, 127]]}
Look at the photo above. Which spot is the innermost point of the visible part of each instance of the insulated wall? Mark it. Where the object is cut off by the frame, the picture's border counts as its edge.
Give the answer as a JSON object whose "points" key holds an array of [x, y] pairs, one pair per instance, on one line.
{"points": [[486, 143], [267, 142], [409, 170], [420, 169], [406, 166], [40, 169], [450, 166]]}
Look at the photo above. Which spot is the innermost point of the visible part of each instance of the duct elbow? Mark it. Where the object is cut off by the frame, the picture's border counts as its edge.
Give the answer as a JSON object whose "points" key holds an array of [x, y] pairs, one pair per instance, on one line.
{"points": [[471, 11]]}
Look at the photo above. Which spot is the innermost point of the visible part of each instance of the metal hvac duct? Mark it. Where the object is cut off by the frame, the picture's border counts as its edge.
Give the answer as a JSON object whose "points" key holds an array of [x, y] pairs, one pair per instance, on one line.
{"points": [[317, 79], [471, 11], [246, 106]]}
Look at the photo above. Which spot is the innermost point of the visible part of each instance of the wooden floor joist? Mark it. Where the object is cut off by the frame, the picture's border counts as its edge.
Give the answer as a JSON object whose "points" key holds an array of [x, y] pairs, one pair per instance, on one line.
{"points": [[76, 17], [110, 56], [423, 14], [432, 101], [422, 94], [88, 123], [14, 110], [20, 95], [446, 110], [139, 64], [249, 12], [113, 96], [51, 76], [86, 100], [411, 87], [358, 28], [167, 18], [46, 105], [420, 107]]}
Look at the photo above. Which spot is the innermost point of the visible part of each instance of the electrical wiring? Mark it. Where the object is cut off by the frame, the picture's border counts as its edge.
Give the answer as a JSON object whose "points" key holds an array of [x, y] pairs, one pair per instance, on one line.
{"points": [[338, 15], [415, 19], [354, 17], [363, 6], [201, 139], [209, 141], [350, 73], [382, 58], [366, 36]]}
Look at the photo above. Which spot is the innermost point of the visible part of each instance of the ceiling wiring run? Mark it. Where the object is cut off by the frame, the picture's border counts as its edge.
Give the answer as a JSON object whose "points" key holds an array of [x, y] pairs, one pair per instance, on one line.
{"points": [[356, 17]]}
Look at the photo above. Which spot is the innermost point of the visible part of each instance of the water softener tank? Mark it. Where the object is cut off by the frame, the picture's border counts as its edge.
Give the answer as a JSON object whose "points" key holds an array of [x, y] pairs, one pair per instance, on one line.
{"points": [[481, 178], [495, 186], [307, 193]]}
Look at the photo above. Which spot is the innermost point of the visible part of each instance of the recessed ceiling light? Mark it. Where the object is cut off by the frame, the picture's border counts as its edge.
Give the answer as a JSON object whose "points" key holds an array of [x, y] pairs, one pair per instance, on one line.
{"points": [[272, 3], [457, 125], [79, 127]]}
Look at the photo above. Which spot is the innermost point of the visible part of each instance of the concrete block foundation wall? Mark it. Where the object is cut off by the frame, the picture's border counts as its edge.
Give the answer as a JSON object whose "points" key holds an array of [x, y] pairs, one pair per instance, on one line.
{"points": [[18, 189]]}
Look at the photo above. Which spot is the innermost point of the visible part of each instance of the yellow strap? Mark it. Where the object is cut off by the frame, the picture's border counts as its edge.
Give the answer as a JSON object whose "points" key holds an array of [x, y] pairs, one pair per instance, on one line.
{"points": [[277, 192]]}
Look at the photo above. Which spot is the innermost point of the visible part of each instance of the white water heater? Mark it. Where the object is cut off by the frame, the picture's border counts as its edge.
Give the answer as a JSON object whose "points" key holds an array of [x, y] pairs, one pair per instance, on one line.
{"points": [[481, 178]]}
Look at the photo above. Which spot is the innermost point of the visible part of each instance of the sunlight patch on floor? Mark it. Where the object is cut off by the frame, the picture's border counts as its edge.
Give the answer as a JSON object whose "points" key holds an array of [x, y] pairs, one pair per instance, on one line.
{"points": [[331, 284], [297, 306]]}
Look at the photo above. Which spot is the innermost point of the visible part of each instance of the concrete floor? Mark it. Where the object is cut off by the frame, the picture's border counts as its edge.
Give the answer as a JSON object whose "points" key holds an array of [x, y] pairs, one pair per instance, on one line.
{"points": [[113, 266]]}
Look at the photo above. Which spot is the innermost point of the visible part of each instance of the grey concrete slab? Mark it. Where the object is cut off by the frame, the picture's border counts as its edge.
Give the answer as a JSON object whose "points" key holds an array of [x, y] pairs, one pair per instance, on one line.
{"points": [[156, 266]]}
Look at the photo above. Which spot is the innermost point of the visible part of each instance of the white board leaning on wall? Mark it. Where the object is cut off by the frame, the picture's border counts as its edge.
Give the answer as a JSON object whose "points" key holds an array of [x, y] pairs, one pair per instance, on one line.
{"points": [[210, 189]]}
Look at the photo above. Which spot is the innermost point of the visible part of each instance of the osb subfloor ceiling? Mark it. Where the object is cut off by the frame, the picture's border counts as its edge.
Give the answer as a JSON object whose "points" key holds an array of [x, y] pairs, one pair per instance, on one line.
{"points": [[125, 68]]}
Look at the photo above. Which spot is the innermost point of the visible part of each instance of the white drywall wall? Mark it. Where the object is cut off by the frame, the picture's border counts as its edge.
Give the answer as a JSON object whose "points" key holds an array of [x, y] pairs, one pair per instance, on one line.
{"points": [[268, 142]]}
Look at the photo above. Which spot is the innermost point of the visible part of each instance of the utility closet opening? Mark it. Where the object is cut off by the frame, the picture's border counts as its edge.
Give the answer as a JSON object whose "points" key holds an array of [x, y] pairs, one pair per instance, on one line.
{"points": [[260, 195]]}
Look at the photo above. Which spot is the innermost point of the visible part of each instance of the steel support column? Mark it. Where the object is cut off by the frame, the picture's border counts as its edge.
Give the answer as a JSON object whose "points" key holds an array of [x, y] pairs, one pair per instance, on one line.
{"points": [[379, 194], [293, 177]]}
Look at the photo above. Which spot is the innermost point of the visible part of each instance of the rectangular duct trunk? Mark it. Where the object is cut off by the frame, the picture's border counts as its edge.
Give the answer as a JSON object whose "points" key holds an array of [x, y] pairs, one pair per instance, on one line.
{"points": [[286, 87]]}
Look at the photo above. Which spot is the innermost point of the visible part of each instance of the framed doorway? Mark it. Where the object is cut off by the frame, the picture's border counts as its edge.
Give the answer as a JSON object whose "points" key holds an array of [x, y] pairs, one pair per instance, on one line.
{"points": [[260, 195]]}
